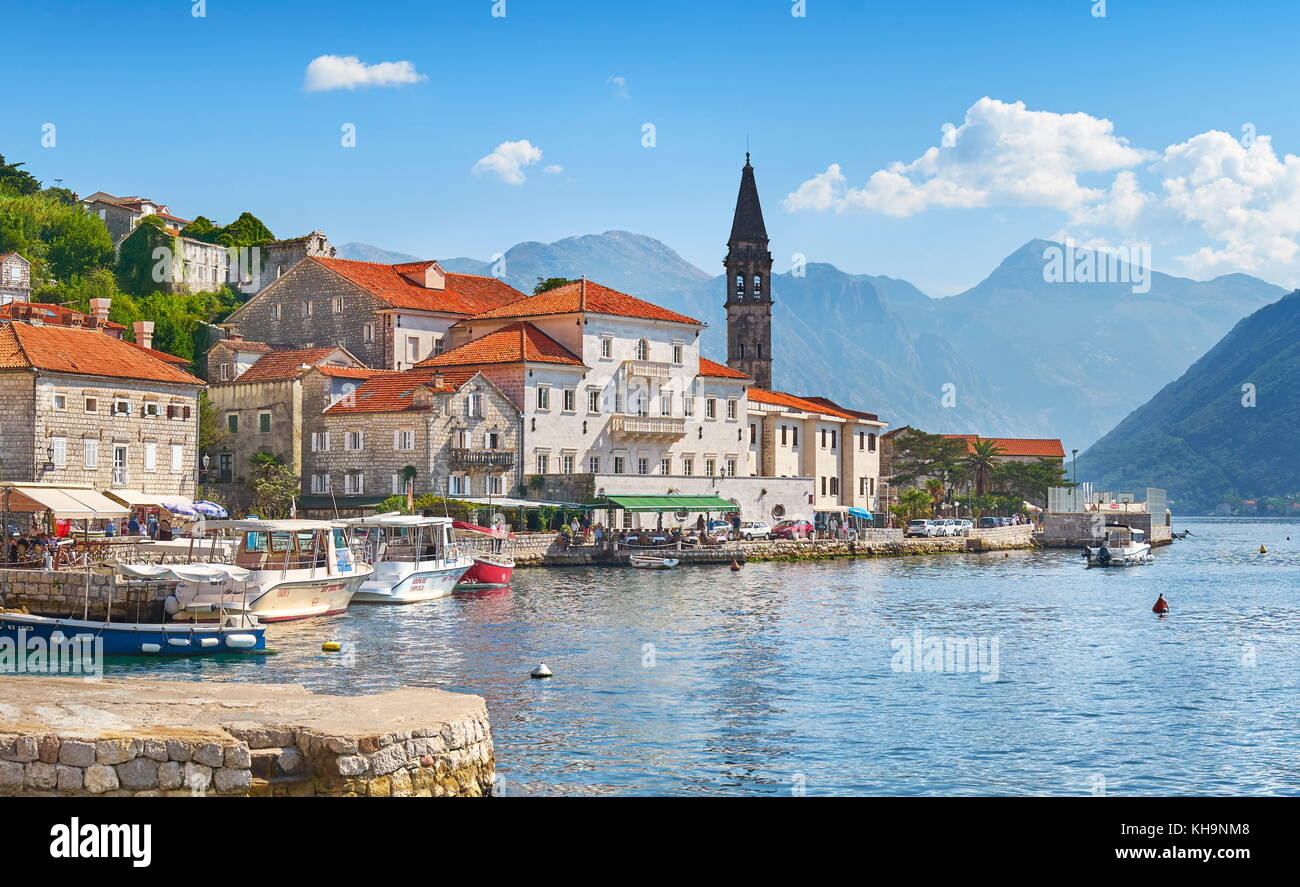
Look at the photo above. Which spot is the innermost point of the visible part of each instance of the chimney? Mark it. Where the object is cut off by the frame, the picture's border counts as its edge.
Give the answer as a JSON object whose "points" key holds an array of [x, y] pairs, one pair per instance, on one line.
{"points": [[99, 308], [144, 333], [235, 336]]}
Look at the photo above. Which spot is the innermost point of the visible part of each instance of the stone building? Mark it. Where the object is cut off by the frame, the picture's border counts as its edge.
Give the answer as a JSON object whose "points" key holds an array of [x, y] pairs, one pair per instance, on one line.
{"points": [[82, 407], [451, 433], [121, 214], [278, 256], [389, 316], [15, 279], [269, 407], [749, 286]]}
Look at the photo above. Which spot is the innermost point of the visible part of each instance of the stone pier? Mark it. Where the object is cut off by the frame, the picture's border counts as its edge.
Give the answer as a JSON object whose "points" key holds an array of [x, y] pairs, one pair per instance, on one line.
{"points": [[73, 737]]}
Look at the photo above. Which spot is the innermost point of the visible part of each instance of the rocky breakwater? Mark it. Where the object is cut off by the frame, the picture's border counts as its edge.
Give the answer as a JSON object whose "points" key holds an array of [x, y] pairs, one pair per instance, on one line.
{"points": [[72, 737]]}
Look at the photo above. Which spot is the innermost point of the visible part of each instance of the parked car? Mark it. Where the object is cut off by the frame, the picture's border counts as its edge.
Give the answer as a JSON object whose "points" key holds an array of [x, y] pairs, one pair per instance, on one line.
{"points": [[949, 527], [920, 527], [988, 523], [755, 529], [964, 526], [718, 531], [793, 529]]}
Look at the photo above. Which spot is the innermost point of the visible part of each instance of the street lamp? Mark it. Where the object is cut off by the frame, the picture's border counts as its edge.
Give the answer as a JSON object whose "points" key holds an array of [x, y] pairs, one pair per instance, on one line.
{"points": [[1074, 470]]}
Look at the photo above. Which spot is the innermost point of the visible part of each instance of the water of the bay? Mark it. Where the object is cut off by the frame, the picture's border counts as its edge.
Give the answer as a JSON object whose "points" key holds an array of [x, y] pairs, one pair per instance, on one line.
{"points": [[788, 677]]}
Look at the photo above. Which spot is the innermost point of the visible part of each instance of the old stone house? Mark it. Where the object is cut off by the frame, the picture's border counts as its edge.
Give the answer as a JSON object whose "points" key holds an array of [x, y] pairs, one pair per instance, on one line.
{"points": [[389, 316], [81, 407], [450, 433], [15, 278]]}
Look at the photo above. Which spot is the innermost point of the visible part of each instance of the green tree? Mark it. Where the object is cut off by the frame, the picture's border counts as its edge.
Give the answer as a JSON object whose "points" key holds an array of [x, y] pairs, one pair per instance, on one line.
{"points": [[918, 456], [211, 429], [274, 485], [982, 462], [912, 504], [549, 283], [16, 180], [76, 242], [201, 228], [139, 272]]}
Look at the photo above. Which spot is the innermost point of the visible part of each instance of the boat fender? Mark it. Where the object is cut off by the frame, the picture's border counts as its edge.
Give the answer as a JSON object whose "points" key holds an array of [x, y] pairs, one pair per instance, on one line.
{"points": [[150, 648], [540, 671], [171, 605], [178, 642], [208, 642], [331, 646], [241, 641]]}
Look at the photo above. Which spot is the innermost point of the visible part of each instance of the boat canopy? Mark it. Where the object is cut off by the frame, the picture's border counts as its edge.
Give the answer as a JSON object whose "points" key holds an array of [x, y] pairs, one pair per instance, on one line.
{"points": [[486, 531], [185, 572], [268, 526], [396, 520], [74, 502], [665, 503]]}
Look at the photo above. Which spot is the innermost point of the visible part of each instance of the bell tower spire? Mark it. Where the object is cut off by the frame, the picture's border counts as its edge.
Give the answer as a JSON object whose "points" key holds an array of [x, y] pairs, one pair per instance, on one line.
{"points": [[749, 290]]}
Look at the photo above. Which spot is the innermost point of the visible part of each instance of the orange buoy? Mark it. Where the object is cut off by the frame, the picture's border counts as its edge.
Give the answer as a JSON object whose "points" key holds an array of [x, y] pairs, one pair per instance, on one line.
{"points": [[1161, 606], [735, 567]]}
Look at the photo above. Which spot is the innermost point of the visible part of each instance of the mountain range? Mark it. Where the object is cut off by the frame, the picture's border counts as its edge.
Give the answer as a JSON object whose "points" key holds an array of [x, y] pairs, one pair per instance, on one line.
{"points": [[1016, 355]]}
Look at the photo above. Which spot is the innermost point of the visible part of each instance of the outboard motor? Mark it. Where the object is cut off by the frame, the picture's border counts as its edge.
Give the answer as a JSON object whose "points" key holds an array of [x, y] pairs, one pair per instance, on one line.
{"points": [[1103, 556]]}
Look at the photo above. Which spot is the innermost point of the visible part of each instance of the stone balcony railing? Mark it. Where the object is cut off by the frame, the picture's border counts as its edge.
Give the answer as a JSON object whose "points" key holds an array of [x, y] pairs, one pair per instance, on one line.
{"points": [[647, 369], [469, 457], [647, 427]]}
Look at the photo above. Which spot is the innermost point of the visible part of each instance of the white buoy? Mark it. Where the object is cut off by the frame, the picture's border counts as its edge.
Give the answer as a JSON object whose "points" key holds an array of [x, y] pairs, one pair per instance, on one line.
{"points": [[541, 671]]}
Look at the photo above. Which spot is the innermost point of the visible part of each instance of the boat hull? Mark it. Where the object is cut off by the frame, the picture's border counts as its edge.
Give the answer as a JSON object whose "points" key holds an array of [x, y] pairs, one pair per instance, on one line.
{"points": [[424, 584], [489, 571], [652, 563], [279, 601], [1129, 556], [131, 639]]}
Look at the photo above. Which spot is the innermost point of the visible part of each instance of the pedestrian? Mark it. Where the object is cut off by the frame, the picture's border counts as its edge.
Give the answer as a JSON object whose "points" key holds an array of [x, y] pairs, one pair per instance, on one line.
{"points": [[152, 524], [110, 528], [133, 525]]}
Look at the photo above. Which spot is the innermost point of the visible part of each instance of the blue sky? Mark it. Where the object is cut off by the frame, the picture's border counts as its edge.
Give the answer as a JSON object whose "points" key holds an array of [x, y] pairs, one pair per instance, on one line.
{"points": [[210, 115]]}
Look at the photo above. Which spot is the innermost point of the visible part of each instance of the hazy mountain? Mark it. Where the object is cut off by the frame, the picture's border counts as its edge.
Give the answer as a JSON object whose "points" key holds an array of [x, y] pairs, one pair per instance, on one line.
{"points": [[1199, 439], [364, 252]]}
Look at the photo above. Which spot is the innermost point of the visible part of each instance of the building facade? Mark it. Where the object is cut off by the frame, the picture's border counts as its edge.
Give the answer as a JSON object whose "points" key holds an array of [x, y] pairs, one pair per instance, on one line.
{"points": [[15, 279]]}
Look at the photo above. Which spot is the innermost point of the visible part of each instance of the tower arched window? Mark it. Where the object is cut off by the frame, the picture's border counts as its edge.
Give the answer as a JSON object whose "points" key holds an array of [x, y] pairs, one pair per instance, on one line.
{"points": [[758, 286], [643, 350], [740, 285], [741, 346]]}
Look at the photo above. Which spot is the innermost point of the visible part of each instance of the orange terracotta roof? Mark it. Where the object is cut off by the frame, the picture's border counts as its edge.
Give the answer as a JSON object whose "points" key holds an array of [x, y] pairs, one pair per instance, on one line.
{"points": [[721, 371], [589, 297], [242, 345], [515, 343], [827, 402], [349, 372], [389, 392], [463, 293], [82, 352], [799, 404], [52, 313], [279, 366], [161, 355], [1046, 448]]}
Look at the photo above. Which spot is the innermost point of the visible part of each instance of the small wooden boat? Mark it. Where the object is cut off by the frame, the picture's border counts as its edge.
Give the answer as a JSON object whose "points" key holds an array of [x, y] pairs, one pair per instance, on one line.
{"points": [[650, 562]]}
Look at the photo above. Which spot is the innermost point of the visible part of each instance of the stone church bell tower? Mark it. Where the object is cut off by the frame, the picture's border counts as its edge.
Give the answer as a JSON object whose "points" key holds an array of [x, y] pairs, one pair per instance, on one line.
{"points": [[749, 286]]}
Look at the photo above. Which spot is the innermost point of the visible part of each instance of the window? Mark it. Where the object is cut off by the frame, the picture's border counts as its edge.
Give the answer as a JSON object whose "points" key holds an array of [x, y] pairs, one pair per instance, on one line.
{"points": [[224, 372], [404, 439], [606, 347], [835, 486], [593, 400], [151, 408], [460, 439], [862, 441], [862, 486], [731, 408], [276, 311], [688, 406], [60, 401], [710, 408], [306, 307], [320, 483], [492, 440], [783, 439], [618, 464], [264, 422], [354, 440], [570, 400], [593, 465], [320, 441], [92, 405], [474, 405], [458, 485], [688, 467], [178, 455], [543, 397], [338, 304], [823, 485], [710, 467], [794, 436], [495, 485], [367, 332], [397, 486], [232, 422], [665, 403], [758, 286], [90, 453], [834, 438], [731, 467], [566, 463], [354, 483], [412, 349], [543, 463], [640, 403], [642, 350], [150, 456], [121, 407], [665, 466], [60, 446], [677, 353], [740, 285], [871, 443], [643, 465], [753, 433]]}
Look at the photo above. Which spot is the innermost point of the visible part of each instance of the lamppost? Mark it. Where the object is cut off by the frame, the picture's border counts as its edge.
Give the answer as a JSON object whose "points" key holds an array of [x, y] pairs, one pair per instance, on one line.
{"points": [[1074, 470]]}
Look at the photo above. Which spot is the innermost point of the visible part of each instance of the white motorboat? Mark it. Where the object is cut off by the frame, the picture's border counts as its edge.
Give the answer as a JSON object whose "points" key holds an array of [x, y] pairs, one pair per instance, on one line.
{"points": [[650, 562], [1121, 547], [415, 558], [295, 569]]}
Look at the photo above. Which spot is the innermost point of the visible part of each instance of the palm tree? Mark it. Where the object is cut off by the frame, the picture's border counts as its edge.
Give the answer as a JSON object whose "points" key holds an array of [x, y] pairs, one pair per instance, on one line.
{"points": [[982, 461], [912, 504], [934, 486]]}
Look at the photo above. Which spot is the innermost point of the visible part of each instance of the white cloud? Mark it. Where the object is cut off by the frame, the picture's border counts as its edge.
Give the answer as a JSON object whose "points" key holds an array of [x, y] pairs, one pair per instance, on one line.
{"points": [[507, 161], [620, 86], [553, 169], [327, 72]]}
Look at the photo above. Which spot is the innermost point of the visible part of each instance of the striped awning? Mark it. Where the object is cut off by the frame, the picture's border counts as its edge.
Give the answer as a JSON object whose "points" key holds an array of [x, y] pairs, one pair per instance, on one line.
{"points": [[665, 503]]}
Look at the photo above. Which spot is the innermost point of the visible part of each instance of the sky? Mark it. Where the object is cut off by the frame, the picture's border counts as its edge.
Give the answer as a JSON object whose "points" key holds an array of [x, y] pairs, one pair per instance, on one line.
{"points": [[925, 140]]}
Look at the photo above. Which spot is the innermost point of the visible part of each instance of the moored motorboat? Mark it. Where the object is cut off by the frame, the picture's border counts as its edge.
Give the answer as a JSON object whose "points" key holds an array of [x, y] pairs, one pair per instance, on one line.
{"points": [[493, 566], [235, 634], [414, 558], [1121, 547], [288, 569], [652, 562]]}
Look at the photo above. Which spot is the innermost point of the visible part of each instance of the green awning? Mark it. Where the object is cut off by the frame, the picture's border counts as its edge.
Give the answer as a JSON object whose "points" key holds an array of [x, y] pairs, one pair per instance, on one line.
{"points": [[665, 503]]}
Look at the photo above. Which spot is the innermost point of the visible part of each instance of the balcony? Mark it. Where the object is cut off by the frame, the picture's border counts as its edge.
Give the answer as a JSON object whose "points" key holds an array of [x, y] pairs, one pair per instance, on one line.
{"points": [[647, 369], [471, 457], [647, 427]]}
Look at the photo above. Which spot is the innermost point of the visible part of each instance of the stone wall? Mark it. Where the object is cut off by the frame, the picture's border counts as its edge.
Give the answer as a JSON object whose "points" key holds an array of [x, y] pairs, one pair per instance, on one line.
{"points": [[1074, 529], [64, 594], [70, 737]]}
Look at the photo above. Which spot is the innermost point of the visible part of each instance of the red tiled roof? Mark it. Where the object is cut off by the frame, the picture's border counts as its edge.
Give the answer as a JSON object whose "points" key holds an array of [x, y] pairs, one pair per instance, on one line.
{"points": [[463, 293], [515, 343], [1017, 446], [827, 402], [586, 296], [52, 313], [713, 368], [349, 372], [82, 352], [279, 366], [789, 401], [242, 345], [389, 392], [161, 355]]}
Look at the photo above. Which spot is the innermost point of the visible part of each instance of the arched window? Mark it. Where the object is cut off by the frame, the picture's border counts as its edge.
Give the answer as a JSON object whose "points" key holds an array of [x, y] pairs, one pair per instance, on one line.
{"points": [[740, 285], [741, 348], [758, 286], [643, 350]]}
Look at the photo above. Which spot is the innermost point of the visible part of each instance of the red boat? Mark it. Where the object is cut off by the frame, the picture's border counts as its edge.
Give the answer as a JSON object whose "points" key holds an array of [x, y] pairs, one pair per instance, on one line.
{"points": [[492, 569]]}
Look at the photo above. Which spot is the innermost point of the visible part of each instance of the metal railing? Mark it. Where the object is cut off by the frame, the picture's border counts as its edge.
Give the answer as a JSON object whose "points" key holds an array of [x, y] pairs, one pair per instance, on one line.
{"points": [[468, 456]]}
